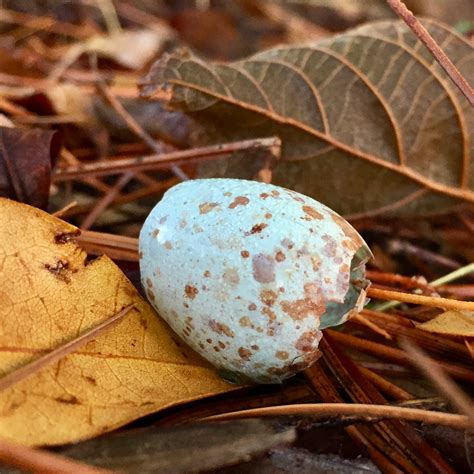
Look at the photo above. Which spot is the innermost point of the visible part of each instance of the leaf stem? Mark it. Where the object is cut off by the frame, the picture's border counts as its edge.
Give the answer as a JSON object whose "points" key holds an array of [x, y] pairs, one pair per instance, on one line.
{"points": [[423, 35]]}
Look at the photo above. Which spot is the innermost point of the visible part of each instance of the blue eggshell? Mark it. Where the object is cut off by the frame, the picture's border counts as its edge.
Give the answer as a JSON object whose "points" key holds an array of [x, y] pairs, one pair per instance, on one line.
{"points": [[249, 273]]}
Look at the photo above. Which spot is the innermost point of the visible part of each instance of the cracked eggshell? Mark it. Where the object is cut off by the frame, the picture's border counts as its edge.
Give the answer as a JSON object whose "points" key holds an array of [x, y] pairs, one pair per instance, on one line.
{"points": [[249, 273]]}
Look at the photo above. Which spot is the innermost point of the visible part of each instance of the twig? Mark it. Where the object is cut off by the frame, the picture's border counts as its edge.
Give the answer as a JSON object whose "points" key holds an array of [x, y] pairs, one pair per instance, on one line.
{"points": [[444, 383], [163, 160], [38, 461], [106, 200], [135, 126], [436, 302], [383, 351], [362, 409], [420, 31], [62, 351], [452, 276]]}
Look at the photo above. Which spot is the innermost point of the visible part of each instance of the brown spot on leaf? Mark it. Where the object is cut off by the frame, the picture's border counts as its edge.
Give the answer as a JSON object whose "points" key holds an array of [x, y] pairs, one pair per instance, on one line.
{"points": [[312, 304], [308, 341], [221, 328], [68, 400], [282, 355], [245, 254], [239, 201], [90, 379], [263, 268], [244, 353], [61, 270], [190, 291], [65, 237], [206, 207], [312, 214]]}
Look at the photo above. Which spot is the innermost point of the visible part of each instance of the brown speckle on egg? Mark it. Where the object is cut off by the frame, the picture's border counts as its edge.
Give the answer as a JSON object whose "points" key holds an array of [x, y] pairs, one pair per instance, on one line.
{"points": [[280, 256], [221, 328], [308, 341], [244, 353], [168, 245], [312, 213], [263, 268], [282, 355], [206, 207], [239, 201], [312, 304], [252, 307], [190, 291], [245, 254], [256, 229], [268, 297], [150, 294]]}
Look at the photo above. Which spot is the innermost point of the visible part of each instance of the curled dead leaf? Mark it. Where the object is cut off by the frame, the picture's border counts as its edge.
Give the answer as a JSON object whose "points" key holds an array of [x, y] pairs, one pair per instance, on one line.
{"points": [[454, 323], [50, 294], [26, 159]]}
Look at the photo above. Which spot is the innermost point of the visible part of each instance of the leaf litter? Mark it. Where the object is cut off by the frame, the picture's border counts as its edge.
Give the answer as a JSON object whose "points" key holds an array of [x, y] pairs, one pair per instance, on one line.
{"points": [[385, 98]]}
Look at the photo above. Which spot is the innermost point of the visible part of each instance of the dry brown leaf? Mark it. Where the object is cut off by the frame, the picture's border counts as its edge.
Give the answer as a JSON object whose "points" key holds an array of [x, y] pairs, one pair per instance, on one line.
{"points": [[454, 323], [50, 294], [369, 122], [131, 49]]}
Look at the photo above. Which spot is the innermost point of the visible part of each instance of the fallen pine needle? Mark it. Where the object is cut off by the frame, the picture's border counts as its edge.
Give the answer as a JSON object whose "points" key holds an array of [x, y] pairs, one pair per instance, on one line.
{"points": [[363, 410], [44, 462], [62, 351], [437, 302]]}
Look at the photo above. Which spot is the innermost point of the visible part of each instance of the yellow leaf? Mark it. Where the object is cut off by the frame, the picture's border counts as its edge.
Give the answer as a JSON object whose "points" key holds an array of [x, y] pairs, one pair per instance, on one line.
{"points": [[49, 294], [455, 323]]}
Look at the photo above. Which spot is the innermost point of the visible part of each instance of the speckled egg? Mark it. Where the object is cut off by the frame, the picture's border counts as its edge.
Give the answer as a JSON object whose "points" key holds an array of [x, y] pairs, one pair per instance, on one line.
{"points": [[248, 273]]}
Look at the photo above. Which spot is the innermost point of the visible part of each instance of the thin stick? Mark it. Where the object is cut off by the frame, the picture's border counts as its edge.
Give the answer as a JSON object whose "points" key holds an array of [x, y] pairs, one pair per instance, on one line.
{"points": [[135, 126], [62, 351], [420, 31], [452, 276], [106, 200], [436, 302], [444, 383], [364, 410], [39, 461], [163, 159]]}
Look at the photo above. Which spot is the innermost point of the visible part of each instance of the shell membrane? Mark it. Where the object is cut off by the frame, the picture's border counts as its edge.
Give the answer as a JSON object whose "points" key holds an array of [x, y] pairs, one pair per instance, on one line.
{"points": [[248, 273]]}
